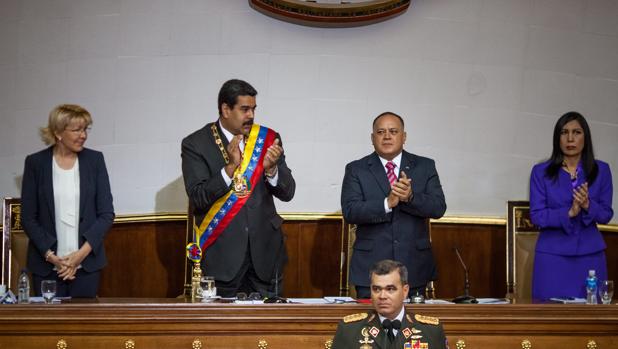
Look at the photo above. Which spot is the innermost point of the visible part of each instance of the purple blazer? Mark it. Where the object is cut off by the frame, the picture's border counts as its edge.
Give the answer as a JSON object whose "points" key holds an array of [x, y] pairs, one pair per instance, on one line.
{"points": [[550, 202]]}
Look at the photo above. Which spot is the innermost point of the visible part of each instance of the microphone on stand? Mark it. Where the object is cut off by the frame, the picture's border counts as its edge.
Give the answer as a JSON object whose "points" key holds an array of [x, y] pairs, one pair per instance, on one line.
{"points": [[276, 298], [466, 298]]}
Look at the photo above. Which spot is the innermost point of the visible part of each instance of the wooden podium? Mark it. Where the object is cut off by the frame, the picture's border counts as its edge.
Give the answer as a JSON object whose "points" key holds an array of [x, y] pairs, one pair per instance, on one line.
{"points": [[175, 323]]}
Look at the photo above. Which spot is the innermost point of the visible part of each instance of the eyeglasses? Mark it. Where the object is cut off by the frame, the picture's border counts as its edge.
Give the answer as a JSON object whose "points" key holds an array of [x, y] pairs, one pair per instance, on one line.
{"points": [[253, 296], [78, 131]]}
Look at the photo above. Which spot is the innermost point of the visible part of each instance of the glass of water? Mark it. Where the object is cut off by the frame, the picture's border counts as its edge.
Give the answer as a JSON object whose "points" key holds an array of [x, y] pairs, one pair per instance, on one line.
{"points": [[48, 289], [606, 291], [207, 283]]}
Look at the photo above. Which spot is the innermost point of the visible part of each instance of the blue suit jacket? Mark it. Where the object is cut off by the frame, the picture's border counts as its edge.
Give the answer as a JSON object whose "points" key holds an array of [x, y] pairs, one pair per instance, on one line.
{"points": [[96, 211], [400, 235], [550, 202]]}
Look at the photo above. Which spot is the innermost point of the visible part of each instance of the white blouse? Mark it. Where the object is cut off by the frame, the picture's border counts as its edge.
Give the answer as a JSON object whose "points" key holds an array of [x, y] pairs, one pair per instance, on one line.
{"points": [[66, 201]]}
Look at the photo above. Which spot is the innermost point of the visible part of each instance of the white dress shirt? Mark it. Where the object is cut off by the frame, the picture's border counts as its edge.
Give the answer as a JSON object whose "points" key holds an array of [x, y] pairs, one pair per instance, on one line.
{"points": [[66, 207], [398, 317]]}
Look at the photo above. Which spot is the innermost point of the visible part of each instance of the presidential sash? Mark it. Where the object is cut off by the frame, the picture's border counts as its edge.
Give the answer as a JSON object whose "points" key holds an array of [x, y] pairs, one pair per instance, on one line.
{"points": [[226, 207]]}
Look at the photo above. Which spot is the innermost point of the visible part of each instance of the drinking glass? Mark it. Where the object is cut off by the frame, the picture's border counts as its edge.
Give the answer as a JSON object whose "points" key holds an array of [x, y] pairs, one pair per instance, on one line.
{"points": [[207, 283], [48, 289], [606, 290]]}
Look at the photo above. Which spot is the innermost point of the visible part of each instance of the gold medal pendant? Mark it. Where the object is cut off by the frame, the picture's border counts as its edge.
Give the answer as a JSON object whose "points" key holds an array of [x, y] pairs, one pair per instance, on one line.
{"points": [[240, 185]]}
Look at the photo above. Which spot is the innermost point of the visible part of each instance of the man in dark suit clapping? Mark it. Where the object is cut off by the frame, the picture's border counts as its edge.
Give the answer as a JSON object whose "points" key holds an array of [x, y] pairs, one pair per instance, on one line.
{"points": [[232, 169], [389, 195]]}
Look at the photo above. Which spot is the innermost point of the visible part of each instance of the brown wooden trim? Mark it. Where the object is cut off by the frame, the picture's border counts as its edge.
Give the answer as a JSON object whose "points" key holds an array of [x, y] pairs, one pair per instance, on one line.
{"points": [[331, 15], [176, 323]]}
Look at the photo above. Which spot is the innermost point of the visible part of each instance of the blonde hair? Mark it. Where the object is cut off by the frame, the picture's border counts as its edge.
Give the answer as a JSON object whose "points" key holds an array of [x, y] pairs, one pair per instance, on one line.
{"points": [[60, 117]]}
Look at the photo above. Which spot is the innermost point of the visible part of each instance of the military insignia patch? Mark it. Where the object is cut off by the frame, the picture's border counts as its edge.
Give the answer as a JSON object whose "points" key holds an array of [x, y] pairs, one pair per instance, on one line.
{"points": [[374, 331], [354, 317], [406, 332], [415, 331], [430, 320]]}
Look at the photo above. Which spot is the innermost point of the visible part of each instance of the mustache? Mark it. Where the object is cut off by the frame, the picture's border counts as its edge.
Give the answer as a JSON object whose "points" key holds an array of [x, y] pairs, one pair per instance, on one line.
{"points": [[248, 123]]}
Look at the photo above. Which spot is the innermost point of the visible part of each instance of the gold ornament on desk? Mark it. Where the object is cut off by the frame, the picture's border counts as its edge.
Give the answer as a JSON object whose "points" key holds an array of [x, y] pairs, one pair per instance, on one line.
{"points": [[194, 253]]}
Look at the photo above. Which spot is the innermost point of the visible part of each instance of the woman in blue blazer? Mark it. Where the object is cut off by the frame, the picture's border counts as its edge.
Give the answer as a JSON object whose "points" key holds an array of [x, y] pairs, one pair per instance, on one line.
{"points": [[569, 195], [66, 206]]}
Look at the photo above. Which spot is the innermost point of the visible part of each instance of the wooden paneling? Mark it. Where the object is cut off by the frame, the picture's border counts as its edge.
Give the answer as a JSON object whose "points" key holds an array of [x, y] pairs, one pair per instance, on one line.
{"points": [[147, 259], [482, 248], [144, 260], [173, 323], [314, 258]]}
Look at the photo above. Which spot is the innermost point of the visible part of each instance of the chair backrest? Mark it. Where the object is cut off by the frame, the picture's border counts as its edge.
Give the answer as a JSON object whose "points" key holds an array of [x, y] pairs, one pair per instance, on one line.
{"points": [[347, 248], [188, 240], [14, 243], [521, 236]]}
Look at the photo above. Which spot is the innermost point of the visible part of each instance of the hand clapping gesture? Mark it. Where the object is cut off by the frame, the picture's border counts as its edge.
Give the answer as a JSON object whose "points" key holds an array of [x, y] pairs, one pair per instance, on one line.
{"points": [[580, 200], [273, 153], [401, 191]]}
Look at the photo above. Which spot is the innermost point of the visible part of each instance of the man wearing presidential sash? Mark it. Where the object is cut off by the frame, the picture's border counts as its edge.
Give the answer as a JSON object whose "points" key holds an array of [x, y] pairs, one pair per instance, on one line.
{"points": [[232, 168]]}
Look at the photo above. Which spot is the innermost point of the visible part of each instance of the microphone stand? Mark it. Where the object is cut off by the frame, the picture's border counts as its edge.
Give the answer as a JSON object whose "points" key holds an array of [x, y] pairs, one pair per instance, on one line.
{"points": [[276, 298], [466, 298]]}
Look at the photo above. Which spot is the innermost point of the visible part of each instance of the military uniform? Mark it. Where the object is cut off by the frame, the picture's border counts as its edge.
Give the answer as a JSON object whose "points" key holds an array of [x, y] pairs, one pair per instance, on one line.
{"points": [[417, 332]]}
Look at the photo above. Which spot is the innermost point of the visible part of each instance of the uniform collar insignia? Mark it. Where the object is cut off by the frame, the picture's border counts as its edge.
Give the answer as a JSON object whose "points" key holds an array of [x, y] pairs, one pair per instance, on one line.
{"points": [[374, 331], [406, 332]]}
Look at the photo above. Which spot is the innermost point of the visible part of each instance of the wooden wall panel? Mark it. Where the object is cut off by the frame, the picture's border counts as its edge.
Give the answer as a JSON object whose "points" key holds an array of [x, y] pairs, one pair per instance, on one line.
{"points": [[144, 260], [611, 239], [147, 259], [314, 251], [483, 249]]}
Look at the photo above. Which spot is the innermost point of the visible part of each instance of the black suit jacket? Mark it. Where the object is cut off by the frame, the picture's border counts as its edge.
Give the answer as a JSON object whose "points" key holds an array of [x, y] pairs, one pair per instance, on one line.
{"points": [[96, 210], [349, 334], [256, 225], [402, 234]]}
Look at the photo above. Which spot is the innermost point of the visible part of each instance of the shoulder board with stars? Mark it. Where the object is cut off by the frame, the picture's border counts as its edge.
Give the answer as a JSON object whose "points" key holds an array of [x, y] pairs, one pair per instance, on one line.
{"points": [[430, 320], [354, 317]]}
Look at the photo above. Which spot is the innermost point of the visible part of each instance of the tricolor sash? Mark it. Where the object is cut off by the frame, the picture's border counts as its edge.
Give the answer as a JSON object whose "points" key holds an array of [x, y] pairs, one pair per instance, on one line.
{"points": [[225, 209]]}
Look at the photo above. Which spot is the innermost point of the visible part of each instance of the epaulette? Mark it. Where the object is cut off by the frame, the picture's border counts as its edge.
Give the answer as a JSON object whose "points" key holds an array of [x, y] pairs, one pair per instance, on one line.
{"points": [[430, 320], [354, 317]]}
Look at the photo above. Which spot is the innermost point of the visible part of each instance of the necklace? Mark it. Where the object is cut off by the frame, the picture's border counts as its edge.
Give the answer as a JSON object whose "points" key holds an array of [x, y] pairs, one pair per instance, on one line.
{"points": [[573, 174]]}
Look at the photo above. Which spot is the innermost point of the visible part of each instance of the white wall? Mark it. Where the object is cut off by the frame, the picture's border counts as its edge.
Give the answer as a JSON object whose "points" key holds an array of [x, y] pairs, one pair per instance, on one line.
{"points": [[480, 83]]}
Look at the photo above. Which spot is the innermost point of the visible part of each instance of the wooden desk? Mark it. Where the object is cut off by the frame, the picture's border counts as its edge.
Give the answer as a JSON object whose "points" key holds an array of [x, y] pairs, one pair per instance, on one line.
{"points": [[173, 323]]}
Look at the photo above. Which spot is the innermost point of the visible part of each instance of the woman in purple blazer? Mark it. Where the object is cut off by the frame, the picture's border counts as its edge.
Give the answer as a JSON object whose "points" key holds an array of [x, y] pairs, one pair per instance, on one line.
{"points": [[569, 195]]}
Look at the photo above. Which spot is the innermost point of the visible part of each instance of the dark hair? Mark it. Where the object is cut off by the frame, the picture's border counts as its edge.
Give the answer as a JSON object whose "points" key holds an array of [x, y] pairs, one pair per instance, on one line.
{"points": [[387, 266], [588, 163], [230, 91], [388, 113]]}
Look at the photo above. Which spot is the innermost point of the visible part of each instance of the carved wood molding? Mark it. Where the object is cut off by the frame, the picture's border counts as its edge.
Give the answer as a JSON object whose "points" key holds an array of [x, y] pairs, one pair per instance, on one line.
{"points": [[343, 14]]}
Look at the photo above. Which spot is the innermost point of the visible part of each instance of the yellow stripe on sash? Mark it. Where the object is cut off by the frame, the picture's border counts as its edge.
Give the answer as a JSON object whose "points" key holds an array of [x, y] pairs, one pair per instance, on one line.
{"points": [[214, 209]]}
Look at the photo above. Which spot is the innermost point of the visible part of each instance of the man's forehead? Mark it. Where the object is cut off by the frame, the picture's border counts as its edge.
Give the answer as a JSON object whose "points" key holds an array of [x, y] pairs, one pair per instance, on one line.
{"points": [[388, 121], [390, 279]]}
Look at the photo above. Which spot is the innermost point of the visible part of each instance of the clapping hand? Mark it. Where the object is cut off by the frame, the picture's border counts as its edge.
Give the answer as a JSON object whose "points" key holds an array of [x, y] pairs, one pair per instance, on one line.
{"points": [[233, 151], [273, 153], [580, 200], [401, 191]]}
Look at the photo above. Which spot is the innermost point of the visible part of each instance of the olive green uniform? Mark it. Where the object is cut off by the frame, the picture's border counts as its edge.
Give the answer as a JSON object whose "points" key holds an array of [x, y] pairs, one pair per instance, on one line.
{"points": [[422, 332]]}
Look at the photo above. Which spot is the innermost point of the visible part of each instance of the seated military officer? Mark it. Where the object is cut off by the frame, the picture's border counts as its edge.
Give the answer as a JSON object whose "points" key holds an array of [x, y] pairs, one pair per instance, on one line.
{"points": [[389, 326]]}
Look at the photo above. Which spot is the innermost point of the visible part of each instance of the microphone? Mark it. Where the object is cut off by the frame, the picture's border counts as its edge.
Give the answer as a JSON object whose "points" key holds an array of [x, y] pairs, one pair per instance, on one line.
{"points": [[466, 298], [276, 298]]}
